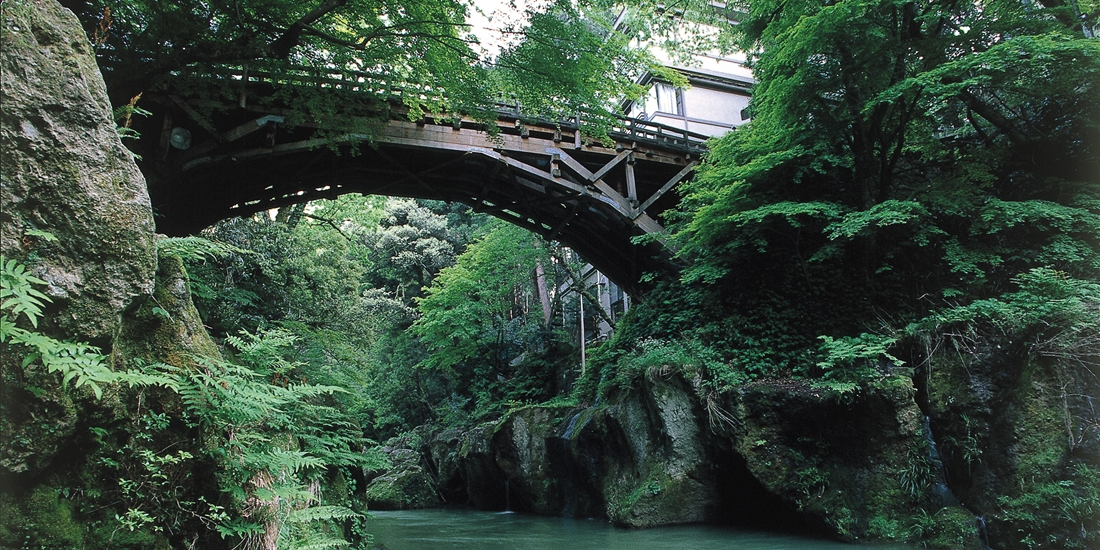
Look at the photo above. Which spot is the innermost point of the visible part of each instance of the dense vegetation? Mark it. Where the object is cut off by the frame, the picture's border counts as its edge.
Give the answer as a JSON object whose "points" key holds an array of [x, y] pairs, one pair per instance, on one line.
{"points": [[916, 176]]}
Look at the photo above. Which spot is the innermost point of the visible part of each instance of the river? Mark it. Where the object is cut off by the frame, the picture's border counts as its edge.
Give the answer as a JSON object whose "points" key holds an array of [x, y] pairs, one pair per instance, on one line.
{"points": [[455, 529]]}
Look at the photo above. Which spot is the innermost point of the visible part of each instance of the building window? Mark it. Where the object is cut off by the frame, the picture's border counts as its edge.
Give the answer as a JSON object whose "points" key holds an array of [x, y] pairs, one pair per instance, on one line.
{"points": [[670, 99]]}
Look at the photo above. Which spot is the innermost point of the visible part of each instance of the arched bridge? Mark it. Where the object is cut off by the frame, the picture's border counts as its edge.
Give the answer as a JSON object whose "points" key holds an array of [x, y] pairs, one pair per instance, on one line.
{"points": [[593, 196]]}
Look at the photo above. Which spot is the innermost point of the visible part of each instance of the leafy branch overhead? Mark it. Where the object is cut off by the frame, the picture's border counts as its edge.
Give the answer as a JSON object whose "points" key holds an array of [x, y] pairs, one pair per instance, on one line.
{"points": [[564, 57]]}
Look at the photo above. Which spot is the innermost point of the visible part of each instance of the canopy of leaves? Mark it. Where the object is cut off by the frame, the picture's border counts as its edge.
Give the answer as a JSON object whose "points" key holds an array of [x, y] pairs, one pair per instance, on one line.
{"points": [[903, 156], [560, 58], [476, 302]]}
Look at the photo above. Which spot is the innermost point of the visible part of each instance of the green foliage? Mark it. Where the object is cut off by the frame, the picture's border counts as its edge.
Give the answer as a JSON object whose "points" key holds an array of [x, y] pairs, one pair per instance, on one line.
{"points": [[659, 359], [568, 59], [78, 363], [280, 435], [478, 308], [874, 189], [197, 249], [851, 359], [1074, 501], [18, 295]]}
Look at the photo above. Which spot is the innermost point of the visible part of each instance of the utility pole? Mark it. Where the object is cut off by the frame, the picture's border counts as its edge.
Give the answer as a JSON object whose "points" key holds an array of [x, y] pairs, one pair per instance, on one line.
{"points": [[580, 300]]}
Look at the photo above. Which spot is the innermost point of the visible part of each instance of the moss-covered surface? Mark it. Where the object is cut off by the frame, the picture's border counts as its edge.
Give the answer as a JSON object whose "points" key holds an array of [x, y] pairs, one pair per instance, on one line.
{"points": [[657, 498], [407, 489], [859, 462], [166, 327], [1015, 430], [100, 456]]}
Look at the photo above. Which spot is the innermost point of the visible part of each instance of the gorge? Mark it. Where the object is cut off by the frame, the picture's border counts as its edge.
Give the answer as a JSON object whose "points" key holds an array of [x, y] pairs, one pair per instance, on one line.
{"points": [[896, 369]]}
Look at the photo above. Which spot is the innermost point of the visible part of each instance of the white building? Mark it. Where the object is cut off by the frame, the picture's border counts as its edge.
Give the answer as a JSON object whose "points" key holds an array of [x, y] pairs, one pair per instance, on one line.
{"points": [[715, 101]]}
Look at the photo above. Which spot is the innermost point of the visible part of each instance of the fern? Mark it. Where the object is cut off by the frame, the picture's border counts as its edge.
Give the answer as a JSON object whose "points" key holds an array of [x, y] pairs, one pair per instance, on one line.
{"points": [[321, 513], [292, 462], [319, 542], [79, 363], [197, 248], [17, 293], [278, 435]]}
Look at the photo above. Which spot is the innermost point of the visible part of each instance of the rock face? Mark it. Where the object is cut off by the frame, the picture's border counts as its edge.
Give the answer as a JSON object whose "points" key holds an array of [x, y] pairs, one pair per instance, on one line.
{"points": [[780, 454], [66, 172], [1020, 434], [74, 210], [645, 460], [406, 485], [855, 463]]}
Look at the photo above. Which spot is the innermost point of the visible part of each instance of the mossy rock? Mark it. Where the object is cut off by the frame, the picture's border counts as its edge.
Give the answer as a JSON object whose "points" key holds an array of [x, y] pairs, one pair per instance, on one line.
{"points": [[41, 519], [956, 529], [661, 500], [407, 489]]}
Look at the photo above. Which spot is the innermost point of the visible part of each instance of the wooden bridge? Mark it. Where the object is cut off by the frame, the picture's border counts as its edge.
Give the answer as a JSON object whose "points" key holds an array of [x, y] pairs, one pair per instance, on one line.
{"points": [[594, 196]]}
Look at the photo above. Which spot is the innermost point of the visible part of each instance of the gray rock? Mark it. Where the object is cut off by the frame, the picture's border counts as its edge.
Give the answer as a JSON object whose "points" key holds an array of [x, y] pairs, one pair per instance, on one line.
{"points": [[66, 172]]}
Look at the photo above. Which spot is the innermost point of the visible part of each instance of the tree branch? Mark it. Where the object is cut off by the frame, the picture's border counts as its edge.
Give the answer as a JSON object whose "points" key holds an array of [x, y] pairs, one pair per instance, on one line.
{"points": [[282, 46]]}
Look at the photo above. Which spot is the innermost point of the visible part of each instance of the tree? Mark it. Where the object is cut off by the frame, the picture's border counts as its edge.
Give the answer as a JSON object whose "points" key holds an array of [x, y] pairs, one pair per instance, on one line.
{"points": [[562, 58], [141, 42], [479, 315], [899, 151], [412, 244]]}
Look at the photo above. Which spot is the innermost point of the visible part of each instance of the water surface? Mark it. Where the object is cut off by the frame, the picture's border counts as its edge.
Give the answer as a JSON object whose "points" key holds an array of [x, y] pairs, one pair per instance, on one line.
{"points": [[454, 529]]}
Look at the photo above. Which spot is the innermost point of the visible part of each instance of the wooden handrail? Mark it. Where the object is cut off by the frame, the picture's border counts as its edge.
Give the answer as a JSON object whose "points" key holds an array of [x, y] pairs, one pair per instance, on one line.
{"points": [[627, 128]]}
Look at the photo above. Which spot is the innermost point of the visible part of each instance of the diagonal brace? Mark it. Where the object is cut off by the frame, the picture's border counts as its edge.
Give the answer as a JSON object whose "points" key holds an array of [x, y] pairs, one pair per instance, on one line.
{"points": [[664, 188]]}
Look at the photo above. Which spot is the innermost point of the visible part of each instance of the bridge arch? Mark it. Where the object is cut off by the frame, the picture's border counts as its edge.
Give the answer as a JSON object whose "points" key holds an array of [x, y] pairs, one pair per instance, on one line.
{"points": [[593, 196]]}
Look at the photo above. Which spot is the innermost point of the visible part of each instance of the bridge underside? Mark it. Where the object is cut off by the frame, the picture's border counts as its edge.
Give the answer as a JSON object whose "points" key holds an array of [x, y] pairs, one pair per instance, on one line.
{"points": [[591, 197]]}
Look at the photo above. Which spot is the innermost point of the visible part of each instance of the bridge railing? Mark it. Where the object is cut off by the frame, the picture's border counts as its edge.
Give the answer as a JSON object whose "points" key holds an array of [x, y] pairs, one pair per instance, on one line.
{"points": [[388, 88]]}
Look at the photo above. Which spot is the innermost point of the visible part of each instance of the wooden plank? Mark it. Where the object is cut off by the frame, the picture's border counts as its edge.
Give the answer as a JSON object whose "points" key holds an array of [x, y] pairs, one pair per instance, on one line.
{"points": [[664, 188], [531, 170], [191, 112], [249, 127], [579, 189], [564, 221], [614, 199]]}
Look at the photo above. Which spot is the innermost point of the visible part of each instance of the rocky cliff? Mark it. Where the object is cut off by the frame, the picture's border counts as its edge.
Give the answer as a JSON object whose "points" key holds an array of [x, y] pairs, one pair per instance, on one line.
{"points": [[995, 462], [74, 210]]}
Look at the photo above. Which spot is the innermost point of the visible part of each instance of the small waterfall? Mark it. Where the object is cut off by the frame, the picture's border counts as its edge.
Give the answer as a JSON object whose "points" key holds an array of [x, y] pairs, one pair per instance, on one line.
{"points": [[576, 423], [568, 434], [507, 497], [939, 484], [983, 534]]}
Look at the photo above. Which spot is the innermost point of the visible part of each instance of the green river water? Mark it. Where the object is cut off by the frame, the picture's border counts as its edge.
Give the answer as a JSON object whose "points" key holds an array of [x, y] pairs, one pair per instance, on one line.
{"points": [[454, 529]]}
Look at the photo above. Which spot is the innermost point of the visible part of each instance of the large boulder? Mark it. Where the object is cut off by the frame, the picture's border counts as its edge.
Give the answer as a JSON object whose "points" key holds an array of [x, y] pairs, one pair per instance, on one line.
{"points": [[66, 172], [74, 210], [858, 462], [405, 486]]}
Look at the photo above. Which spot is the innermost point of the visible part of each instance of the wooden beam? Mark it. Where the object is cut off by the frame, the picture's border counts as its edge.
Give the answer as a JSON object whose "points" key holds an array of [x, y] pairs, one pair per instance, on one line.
{"points": [[664, 188], [564, 221], [631, 184], [526, 168], [610, 164], [249, 127], [620, 202], [191, 112]]}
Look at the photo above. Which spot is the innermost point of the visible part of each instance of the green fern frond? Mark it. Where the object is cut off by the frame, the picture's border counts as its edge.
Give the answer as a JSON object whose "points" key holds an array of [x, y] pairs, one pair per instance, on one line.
{"points": [[280, 461], [319, 543], [17, 293], [321, 513], [198, 248]]}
